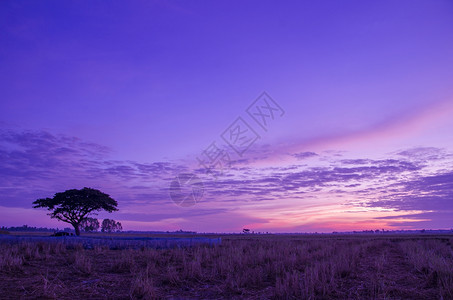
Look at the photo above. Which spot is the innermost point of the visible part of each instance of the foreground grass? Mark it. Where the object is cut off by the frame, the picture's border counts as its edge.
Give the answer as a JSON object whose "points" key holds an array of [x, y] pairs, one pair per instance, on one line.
{"points": [[257, 267]]}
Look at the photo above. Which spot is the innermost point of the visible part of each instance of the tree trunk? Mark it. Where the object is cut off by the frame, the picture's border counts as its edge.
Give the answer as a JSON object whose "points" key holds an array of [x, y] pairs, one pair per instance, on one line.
{"points": [[77, 229]]}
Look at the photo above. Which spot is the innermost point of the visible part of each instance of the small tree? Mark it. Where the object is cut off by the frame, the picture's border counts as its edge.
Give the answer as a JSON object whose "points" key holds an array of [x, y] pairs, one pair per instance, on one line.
{"points": [[109, 225], [73, 206], [90, 224], [119, 227]]}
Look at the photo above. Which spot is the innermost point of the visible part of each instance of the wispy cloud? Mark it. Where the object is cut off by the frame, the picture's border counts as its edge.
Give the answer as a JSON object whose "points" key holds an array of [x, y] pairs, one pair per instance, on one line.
{"points": [[304, 155], [37, 163]]}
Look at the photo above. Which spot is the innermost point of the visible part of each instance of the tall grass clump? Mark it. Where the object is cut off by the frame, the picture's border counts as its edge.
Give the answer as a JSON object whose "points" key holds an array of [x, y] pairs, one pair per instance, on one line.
{"points": [[434, 260], [142, 286], [11, 257]]}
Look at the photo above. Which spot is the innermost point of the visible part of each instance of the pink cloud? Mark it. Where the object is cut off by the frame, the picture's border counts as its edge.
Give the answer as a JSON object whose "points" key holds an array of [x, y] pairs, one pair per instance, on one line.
{"points": [[400, 126]]}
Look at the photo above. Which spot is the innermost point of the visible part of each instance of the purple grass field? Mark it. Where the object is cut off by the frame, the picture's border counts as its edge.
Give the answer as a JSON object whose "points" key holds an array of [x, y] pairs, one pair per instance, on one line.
{"points": [[227, 149], [407, 266]]}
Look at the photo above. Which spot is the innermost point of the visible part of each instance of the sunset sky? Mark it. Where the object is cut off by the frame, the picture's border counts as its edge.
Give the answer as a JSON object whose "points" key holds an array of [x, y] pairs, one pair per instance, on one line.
{"points": [[124, 96]]}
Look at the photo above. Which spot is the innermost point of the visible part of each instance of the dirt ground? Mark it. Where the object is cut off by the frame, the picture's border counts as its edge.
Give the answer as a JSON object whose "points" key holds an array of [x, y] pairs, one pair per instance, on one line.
{"points": [[252, 267]]}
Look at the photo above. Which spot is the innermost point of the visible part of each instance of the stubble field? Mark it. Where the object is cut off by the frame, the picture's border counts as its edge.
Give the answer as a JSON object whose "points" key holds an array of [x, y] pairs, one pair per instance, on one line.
{"points": [[242, 266]]}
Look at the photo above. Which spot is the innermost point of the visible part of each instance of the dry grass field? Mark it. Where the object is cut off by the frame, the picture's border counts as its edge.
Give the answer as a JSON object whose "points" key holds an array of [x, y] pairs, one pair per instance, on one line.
{"points": [[243, 266]]}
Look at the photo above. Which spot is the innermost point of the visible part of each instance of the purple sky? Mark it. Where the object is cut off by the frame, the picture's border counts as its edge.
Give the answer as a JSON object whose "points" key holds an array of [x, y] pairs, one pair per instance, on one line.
{"points": [[124, 96]]}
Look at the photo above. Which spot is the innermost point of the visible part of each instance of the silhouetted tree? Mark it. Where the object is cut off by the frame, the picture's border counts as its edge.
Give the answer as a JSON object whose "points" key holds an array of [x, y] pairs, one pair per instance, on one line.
{"points": [[119, 227], [73, 206], [109, 225], [90, 224]]}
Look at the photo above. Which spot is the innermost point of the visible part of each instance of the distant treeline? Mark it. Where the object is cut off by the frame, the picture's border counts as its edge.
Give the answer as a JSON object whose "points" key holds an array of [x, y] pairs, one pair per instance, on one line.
{"points": [[408, 231], [45, 229], [162, 232], [31, 228]]}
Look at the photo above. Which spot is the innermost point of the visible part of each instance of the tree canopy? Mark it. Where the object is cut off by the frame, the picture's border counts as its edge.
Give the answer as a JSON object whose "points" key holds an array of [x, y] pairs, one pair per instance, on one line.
{"points": [[73, 206], [90, 224], [111, 226]]}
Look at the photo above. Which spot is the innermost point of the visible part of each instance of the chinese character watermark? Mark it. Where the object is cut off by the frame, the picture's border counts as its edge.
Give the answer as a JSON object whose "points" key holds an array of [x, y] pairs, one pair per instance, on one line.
{"points": [[187, 189], [240, 136], [264, 109]]}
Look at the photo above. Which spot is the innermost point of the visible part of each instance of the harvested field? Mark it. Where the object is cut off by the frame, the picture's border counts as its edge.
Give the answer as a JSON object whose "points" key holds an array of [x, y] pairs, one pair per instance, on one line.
{"points": [[115, 243], [254, 267]]}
